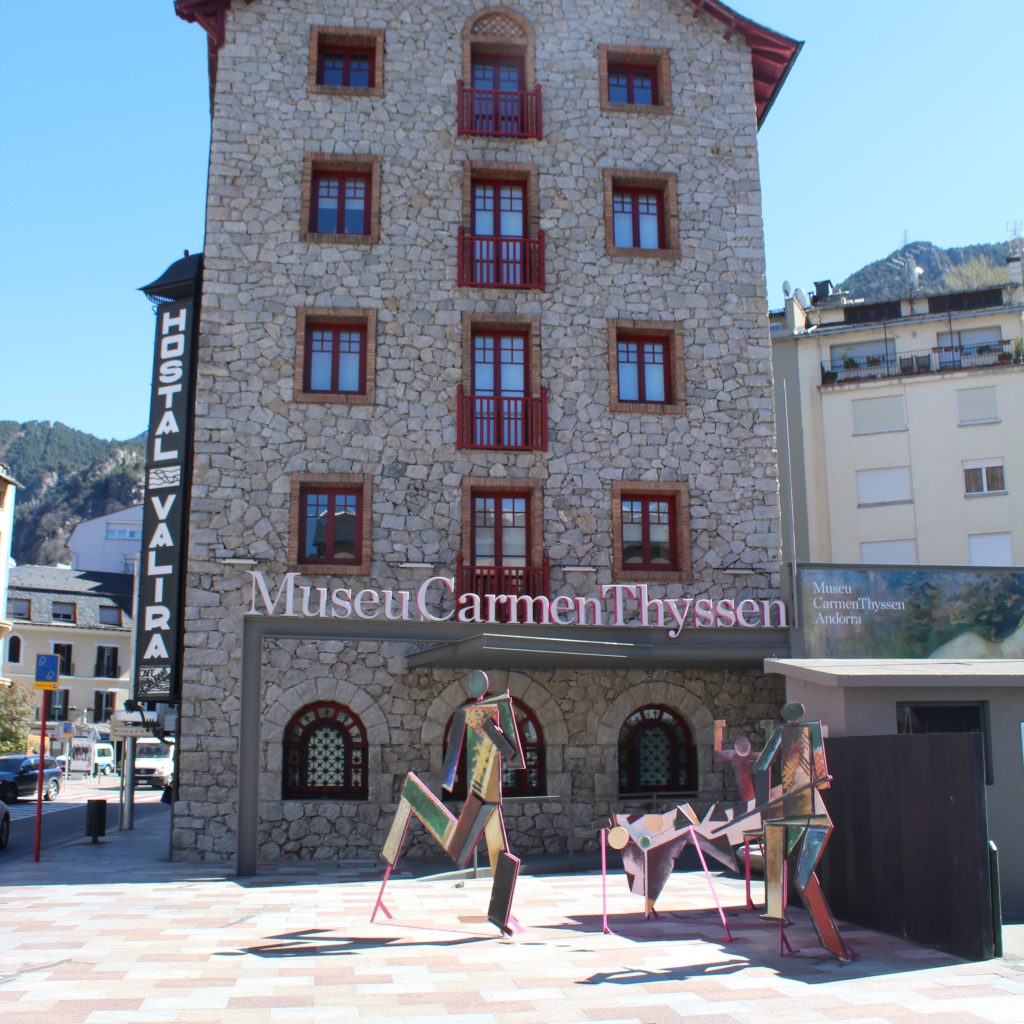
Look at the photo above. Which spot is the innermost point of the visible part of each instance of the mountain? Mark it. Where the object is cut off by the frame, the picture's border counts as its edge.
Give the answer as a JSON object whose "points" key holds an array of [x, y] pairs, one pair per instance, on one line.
{"points": [[964, 268], [66, 476]]}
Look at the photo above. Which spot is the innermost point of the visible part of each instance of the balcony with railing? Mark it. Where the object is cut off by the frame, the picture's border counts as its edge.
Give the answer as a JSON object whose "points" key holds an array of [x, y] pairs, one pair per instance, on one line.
{"points": [[502, 422], [513, 580], [500, 113], [494, 261], [851, 369]]}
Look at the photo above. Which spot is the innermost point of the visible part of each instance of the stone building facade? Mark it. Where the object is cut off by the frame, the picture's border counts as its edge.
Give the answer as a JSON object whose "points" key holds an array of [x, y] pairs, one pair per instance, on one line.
{"points": [[398, 191]]}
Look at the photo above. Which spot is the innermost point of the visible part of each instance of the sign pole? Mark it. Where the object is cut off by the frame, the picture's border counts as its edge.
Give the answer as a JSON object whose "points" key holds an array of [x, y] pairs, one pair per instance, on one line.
{"points": [[39, 784], [47, 680]]}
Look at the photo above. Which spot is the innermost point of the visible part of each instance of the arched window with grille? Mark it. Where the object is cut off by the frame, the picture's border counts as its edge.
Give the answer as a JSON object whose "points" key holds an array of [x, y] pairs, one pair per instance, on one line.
{"points": [[325, 754], [656, 753], [530, 781]]}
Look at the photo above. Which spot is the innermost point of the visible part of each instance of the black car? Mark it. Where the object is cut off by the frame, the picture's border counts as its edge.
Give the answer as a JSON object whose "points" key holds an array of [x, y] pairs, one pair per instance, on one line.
{"points": [[19, 776]]}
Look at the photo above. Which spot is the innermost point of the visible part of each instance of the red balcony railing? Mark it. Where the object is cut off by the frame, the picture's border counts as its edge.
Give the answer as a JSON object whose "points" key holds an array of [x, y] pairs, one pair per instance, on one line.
{"points": [[489, 261], [514, 580], [501, 113], [498, 421]]}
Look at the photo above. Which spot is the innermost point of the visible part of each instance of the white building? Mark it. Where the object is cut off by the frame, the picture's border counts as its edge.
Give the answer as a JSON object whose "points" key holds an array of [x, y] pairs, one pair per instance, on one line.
{"points": [[904, 422], [109, 543], [8, 485]]}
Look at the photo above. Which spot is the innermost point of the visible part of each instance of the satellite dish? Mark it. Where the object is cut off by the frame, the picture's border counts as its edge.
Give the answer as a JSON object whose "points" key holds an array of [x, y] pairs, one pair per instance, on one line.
{"points": [[801, 296], [786, 289]]}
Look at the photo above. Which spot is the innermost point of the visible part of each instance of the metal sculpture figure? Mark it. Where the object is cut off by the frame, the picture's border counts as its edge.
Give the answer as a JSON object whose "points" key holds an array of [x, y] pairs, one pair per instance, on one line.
{"points": [[741, 755], [796, 824], [488, 729]]}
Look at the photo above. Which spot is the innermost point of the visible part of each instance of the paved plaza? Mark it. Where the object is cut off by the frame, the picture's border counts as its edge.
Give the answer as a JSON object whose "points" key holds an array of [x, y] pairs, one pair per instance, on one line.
{"points": [[114, 932]]}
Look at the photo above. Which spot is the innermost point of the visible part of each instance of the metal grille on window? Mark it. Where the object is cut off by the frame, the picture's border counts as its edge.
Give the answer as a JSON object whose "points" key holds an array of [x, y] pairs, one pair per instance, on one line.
{"points": [[656, 752], [325, 754]]}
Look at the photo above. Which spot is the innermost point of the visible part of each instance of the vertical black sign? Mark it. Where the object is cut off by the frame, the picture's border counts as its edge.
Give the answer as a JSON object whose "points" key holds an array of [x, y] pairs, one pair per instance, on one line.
{"points": [[165, 520]]}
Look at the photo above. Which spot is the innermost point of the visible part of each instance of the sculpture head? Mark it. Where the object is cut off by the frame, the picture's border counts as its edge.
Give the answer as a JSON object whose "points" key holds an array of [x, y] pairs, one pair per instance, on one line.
{"points": [[477, 684], [793, 711]]}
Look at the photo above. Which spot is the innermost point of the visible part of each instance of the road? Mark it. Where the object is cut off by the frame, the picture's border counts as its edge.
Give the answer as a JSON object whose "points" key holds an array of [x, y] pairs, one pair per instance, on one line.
{"points": [[64, 818]]}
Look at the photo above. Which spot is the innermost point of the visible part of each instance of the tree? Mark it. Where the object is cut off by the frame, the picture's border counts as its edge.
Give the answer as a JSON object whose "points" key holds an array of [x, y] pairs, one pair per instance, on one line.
{"points": [[975, 273], [17, 713]]}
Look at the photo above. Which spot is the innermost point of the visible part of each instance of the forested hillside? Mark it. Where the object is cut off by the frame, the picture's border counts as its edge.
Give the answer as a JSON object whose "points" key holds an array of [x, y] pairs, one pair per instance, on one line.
{"points": [[66, 476], [960, 269]]}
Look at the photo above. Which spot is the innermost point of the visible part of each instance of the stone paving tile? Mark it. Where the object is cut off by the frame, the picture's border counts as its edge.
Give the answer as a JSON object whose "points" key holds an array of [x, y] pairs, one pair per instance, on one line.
{"points": [[149, 942]]}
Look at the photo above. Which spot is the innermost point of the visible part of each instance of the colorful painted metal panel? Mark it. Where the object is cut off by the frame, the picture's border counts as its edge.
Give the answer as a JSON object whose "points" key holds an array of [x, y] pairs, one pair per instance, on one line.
{"points": [[505, 874], [488, 729]]}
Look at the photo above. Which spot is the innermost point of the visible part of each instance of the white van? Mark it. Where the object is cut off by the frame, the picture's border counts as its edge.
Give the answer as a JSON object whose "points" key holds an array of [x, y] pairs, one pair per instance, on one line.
{"points": [[154, 762]]}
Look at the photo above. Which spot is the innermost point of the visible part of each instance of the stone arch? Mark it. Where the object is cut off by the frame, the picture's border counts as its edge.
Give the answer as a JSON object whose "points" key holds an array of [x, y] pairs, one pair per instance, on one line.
{"points": [[283, 702], [531, 692], [499, 30], [680, 699]]}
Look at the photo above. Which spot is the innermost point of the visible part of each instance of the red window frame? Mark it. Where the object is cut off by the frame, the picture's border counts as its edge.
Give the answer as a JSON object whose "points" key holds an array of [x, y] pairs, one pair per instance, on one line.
{"points": [[342, 178], [682, 752], [496, 338], [496, 59], [331, 493], [335, 341], [641, 343], [646, 501], [346, 53], [636, 194], [495, 185], [18, 601], [498, 496], [630, 70]]}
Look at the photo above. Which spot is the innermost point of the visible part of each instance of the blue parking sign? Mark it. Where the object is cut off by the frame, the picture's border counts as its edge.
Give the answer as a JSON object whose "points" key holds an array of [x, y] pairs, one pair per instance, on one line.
{"points": [[47, 668]]}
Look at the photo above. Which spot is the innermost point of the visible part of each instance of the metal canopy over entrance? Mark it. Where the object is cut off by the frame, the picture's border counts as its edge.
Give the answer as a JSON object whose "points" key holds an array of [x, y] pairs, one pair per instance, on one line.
{"points": [[459, 645]]}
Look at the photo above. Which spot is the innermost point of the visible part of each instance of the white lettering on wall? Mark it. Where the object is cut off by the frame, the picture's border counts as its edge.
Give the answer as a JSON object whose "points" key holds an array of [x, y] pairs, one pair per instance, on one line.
{"points": [[436, 600]]}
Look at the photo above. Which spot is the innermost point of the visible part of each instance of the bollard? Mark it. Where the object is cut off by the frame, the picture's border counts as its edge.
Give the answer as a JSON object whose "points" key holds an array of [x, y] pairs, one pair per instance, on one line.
{"points": [[96, 819]]}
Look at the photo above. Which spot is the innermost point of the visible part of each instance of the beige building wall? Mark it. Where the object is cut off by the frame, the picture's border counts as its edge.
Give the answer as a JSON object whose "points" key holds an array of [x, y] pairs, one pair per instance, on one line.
{"points": [[83, 685], [880, 460]]}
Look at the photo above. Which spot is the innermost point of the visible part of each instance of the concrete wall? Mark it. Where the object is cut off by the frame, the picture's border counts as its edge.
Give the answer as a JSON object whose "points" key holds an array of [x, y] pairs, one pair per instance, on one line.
{"points": [[92, 549], [871, 711]]}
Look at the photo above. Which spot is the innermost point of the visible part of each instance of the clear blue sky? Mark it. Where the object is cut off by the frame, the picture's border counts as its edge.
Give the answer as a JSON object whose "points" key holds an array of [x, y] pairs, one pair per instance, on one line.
{"points": [[898, 117]]}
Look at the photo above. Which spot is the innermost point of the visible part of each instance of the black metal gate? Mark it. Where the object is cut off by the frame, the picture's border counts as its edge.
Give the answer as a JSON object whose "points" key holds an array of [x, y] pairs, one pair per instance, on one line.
{"points": [[909, 855]]}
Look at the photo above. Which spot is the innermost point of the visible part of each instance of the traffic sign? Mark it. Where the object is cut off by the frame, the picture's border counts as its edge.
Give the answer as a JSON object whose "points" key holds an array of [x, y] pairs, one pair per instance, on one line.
{"points": [[121, 730], [67, 728], [47, 671]]}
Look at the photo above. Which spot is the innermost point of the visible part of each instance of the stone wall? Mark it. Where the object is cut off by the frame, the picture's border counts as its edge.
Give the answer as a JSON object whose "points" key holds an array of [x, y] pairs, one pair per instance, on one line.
{"points": [[580, 714], [252, 437]]}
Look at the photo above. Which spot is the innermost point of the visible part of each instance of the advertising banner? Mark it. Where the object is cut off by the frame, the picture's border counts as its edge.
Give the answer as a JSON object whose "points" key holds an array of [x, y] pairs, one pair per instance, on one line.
{"points": [[164, 518], [861, 611]]}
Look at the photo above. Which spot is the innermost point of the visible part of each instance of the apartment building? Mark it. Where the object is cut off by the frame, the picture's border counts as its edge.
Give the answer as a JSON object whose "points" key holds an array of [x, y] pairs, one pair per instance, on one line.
{"points": [[484, 382], [8, 486], [86, 619], [904, 426], [108, 543]]}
